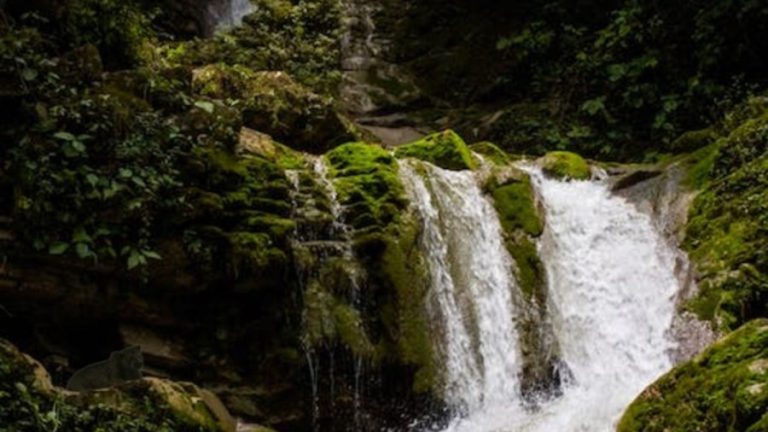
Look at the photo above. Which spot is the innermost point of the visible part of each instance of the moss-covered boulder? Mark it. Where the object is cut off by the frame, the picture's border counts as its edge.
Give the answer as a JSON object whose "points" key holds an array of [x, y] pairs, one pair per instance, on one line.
{"points": [[445, 149], [29, 402], [273, 103], [366, 180], [565, 165], [723, 389], [491, 152], [727, 231]]}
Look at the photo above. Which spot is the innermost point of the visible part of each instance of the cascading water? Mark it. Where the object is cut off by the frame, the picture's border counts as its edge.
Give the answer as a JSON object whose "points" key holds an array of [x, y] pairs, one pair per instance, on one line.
{"points": [[230, 13], [472, 286], [611, 283], [612, 288]]}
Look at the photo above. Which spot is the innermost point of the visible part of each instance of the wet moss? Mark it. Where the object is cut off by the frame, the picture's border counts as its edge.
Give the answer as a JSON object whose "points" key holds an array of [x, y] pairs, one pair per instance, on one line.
{"points": [[492, 153], [403, 268], [723, 389], [445, 149], [530, 269], [565, 165], [351, 330], [515, 203]]}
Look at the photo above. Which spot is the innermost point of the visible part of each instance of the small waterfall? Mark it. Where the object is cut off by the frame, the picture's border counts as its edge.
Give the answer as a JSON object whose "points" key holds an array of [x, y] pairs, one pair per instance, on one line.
{"points": [[612, 287], [229, 13], [322, 245], [472, 287]]}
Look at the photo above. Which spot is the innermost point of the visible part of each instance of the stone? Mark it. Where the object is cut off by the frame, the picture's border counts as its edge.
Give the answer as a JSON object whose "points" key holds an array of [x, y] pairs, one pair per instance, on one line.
{"points": [[565, 165]]}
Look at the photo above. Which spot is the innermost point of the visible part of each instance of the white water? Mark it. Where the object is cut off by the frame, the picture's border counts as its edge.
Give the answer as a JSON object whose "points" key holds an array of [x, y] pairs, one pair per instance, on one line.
{"points": [[472, 287], [611, 296], [230, 13]]}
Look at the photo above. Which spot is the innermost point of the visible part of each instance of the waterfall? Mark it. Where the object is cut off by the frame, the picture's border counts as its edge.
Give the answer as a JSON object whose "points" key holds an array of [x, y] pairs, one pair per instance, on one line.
{"points": [[611, 301], [612, 288], [472, 286], [229, 13]]}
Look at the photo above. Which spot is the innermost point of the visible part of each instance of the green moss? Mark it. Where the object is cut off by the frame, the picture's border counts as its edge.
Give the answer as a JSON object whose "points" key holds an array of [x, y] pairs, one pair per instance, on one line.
{"points": [[700, 165], [491, 152], [350, 329], [723, 389], [530, 269], [402, 267], [726, 236], [516, 206], [445, 149], [367, 183], [565, 165], [319, 325], [694, 140]]}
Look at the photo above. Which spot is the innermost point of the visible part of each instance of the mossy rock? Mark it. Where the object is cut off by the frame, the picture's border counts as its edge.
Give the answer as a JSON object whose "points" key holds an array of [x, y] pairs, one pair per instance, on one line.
{"points": [[400, 266], [727, 230], [723, 389], [565, 165], [491, 152], [515, 202], [726, 237], [445, 149], [30, 403], [366, 180]]}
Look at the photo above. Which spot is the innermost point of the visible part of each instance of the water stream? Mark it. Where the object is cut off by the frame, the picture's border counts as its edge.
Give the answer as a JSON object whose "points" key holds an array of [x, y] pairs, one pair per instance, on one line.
{"points": [[472, 286], [611, 283]]}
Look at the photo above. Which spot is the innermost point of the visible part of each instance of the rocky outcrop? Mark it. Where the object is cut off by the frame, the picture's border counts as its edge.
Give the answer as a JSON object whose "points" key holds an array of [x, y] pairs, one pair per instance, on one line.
{"points": [[29, 402]]}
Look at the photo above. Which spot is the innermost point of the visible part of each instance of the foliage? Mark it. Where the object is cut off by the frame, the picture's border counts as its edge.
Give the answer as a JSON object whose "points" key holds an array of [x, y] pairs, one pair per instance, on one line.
{"points": [[301, 38], [624, 78], [28, 406], [119, 28]]}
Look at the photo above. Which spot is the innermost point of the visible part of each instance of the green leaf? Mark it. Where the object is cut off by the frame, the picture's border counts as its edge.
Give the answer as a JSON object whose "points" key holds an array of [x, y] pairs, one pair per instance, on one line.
{"points": [[134, 260], [205, 106], [126, 173], [83, 251], [92, 179], [29, 74], [81, 236], [66, 136], [152, 255], [58, 248]]}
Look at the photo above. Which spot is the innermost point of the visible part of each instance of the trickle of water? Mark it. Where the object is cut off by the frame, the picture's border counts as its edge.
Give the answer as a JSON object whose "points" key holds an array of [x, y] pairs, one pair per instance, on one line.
{"points": [[472, 287]]}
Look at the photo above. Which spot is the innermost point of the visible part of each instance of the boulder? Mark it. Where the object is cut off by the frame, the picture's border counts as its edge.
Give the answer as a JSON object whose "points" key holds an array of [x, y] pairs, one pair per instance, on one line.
{"points": [[565, 165], [445, 149], [29, 402]]}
